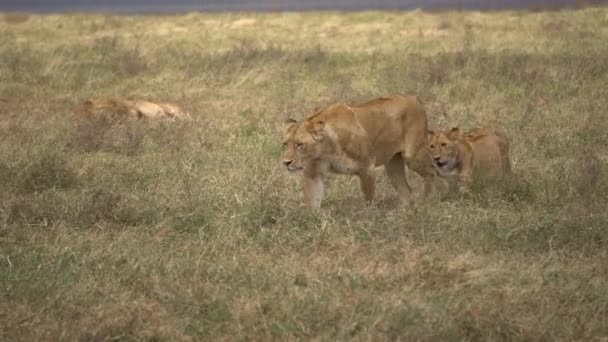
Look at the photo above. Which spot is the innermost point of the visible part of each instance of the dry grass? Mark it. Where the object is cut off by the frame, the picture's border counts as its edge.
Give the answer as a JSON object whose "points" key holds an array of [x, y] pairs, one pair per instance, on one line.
{"points": [[192, 230]]}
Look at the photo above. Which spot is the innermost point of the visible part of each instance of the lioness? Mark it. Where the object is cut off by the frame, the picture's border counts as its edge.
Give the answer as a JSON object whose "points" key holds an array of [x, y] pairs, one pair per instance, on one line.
{"points": [[480, 154], [353, 139], [116, 109]]}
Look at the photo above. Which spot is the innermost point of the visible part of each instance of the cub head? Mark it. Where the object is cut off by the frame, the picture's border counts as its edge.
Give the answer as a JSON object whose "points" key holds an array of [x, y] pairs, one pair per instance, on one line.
{"points": [[303, 141], [444, 149]]}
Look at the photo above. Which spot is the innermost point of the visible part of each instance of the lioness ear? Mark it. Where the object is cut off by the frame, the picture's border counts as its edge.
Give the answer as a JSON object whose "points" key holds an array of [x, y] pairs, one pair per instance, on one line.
{"points": [[317, 129], [429, 133]]}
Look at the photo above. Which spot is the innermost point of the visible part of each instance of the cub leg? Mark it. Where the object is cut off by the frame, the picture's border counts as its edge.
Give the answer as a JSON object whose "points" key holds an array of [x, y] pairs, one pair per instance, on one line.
{"points": [[464, 183], [459, 185], [465, 180]]}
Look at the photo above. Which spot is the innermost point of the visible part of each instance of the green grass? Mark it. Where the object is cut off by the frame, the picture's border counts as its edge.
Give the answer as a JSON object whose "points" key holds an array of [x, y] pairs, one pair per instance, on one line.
{"points": [[194, 231]]}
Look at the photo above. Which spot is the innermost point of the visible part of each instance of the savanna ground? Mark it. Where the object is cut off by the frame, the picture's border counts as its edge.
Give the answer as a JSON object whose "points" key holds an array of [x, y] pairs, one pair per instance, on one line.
{"points": [[194, 231]]}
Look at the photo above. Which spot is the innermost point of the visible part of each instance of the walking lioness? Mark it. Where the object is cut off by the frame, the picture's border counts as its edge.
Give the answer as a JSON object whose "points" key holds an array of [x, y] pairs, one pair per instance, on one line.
{"points": [[480, 154], [354, 139]]}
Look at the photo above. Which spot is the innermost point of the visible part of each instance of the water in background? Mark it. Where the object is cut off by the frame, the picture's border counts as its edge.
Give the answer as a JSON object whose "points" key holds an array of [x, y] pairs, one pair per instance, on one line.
{"points": [[174, 6]]}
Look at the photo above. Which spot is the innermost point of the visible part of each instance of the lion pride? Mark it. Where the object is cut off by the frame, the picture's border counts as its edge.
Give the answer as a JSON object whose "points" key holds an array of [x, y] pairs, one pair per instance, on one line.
{"points": [[461, 158], [354, 139]]}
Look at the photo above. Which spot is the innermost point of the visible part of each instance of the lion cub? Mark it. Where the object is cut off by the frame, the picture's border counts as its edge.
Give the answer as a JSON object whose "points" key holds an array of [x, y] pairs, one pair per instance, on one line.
{"points": [[354, 139], [479, 154]]}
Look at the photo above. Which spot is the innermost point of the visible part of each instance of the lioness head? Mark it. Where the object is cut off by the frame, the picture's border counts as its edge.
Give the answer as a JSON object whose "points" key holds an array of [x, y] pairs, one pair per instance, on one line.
{"points": [[303, 141], [444, 149]]}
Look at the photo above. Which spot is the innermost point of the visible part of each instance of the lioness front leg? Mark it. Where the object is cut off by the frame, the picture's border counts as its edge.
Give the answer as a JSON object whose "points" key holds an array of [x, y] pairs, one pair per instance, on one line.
{"points": [[368, 184], [313, 190], [422, 165], [395, 170]]}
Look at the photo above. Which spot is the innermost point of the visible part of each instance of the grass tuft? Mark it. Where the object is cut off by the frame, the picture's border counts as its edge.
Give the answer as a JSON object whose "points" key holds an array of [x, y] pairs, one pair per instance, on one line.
{"points": [[48, 170]]}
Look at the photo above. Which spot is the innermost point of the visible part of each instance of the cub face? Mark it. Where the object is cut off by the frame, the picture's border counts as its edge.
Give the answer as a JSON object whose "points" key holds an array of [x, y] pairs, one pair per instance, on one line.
{"points": [[443, 147], [303, 142]]}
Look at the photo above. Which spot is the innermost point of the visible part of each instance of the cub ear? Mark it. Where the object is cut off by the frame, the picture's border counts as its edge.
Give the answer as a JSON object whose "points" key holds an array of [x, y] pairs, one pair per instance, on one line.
{"points": [[429, 133], [454, 132]]}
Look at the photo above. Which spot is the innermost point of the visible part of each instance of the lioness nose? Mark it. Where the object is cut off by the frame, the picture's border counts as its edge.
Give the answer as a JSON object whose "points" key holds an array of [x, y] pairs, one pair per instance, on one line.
{"points": [[287, 162]]}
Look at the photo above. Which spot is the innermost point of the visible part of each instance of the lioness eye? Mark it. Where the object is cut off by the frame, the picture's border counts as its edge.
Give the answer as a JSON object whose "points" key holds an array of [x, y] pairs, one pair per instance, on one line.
{"points": [[432, 146], [298, 145], [443, 144]]}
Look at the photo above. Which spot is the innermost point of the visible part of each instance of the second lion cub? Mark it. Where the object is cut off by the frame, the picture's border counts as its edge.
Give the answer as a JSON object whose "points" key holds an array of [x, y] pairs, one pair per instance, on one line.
{"points": [[481, 154]]}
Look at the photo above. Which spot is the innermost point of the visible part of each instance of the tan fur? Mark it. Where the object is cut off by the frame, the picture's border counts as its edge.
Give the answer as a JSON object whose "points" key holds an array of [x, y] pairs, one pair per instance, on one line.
{"points": [[115, 109], [461, 157], [354, 139]]}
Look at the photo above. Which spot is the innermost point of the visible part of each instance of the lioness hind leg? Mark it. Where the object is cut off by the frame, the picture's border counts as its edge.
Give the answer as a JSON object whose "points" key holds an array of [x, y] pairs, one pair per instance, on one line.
{"points": [[368, 184], [395, 170]]}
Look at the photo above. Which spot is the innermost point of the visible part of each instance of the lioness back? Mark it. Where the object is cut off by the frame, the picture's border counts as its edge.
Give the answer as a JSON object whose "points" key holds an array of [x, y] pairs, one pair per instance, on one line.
{"points": [[394, 124]]}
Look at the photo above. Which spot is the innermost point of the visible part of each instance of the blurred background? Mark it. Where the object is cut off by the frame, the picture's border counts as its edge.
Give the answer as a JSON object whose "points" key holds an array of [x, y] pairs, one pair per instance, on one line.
{"points": [[166, 6]]}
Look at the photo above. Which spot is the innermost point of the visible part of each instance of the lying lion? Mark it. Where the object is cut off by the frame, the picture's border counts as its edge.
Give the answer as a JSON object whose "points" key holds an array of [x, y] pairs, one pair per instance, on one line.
{"points": [[119, 109], [354, 139], [461, 158]]}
